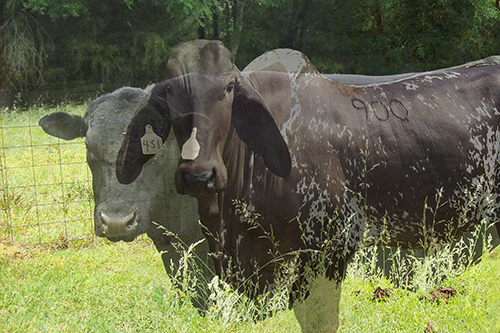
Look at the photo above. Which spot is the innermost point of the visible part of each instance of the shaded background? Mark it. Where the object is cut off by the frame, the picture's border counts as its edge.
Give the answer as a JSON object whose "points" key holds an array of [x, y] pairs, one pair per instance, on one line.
{"points": [[53, 43]]}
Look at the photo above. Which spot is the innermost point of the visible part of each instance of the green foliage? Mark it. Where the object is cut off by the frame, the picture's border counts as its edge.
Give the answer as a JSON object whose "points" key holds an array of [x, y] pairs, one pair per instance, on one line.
{"points": [[376, 36], [58, 9], [25, 46], [155, 50], [47, 41]]}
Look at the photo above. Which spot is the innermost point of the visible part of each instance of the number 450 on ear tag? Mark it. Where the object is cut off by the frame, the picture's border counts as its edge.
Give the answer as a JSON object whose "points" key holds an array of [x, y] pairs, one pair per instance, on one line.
{"points": [[151, 143]]}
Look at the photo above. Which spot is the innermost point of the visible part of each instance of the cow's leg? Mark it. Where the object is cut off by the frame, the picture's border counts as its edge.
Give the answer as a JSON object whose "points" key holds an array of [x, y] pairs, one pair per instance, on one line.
{"points": [[320, 311], [496, 238], [171, 260]]}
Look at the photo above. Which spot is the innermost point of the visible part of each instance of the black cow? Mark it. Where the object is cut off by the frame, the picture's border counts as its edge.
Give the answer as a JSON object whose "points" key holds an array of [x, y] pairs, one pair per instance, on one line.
{"points": [[147, 205], [322, 166]]}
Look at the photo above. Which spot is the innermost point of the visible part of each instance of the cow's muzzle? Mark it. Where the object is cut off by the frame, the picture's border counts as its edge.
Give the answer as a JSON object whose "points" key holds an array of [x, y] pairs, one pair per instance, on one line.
{"points": [[116, 228], [195, 181]]}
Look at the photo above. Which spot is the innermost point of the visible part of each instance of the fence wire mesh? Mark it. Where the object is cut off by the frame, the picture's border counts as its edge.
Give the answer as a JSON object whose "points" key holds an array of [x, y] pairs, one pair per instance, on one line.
{"points": [[46, 190], [46, 185]]}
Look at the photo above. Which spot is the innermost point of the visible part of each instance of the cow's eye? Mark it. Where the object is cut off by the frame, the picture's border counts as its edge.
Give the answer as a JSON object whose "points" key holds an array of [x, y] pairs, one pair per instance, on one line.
{"points": [[230, 87]]}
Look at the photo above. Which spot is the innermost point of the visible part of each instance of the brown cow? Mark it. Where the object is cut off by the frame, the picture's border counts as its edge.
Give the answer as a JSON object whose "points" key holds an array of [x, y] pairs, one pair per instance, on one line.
{"points": [[324, 166]]}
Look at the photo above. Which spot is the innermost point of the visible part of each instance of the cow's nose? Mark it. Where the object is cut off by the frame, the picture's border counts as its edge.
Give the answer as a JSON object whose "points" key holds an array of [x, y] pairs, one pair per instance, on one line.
{"points": [[201, 182], [119, 228], [197, 178]]}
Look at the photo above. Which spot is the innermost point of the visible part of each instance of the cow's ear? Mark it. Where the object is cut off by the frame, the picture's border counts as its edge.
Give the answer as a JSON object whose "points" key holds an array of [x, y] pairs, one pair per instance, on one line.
{"points": [[63, 125], [256, 127], [153, 111]]}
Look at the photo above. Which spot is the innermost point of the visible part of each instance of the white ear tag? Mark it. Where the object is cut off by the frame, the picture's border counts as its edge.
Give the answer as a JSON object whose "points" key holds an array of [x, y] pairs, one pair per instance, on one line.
{"points": [[151, 143], [191, 149]]}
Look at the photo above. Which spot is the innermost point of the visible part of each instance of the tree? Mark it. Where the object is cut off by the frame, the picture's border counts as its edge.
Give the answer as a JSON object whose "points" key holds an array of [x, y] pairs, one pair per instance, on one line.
{"points": [[47, 41], [238, 10], [24, 47]]}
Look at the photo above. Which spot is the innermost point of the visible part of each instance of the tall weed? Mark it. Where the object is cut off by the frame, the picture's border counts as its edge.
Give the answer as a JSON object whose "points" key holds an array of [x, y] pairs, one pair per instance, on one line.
{"points": [[420, 274], [195, 281]]}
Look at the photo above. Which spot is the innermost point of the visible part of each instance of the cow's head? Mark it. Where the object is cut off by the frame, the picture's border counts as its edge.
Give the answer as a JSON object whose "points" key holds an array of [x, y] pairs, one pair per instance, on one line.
{"points": [[202, 109], [198, 56], [122, 212]]}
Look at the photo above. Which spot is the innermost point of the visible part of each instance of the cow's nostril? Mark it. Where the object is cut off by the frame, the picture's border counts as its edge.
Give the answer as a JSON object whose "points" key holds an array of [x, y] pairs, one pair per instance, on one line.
{"points": [[114, 226], [131, 223], [199, 183], [211, 181], [198, 178]]}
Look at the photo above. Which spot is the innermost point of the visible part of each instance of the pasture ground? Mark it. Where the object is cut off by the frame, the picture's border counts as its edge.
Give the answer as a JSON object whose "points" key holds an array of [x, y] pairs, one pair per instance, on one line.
{"points": [[96, 286], [56, 276]]}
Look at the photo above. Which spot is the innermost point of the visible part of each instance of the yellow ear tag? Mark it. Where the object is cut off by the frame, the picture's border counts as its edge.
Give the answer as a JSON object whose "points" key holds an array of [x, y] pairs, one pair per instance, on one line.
{"points": [[151, 143], [191, 148]]}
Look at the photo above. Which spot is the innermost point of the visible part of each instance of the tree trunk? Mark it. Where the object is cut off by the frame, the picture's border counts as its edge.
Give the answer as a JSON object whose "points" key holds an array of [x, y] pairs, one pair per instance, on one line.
{"points": [[377, 14], [302, 25], [238, 10], [215, 26], [3, 14], [3, 17], [201, 30], [3, 66]]}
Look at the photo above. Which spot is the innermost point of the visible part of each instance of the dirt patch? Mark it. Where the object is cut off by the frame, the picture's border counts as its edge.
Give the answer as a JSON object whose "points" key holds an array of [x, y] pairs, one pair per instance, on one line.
{"points": [[380, 294], [10, 251], [438, 295], [20, 251], [431, 327]]}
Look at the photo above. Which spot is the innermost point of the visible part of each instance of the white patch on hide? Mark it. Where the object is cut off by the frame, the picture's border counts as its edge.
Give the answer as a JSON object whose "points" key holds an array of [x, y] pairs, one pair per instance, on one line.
{"points": [[410, 85], [295, 111], [239, 238], [429, 78], [451, 75]]}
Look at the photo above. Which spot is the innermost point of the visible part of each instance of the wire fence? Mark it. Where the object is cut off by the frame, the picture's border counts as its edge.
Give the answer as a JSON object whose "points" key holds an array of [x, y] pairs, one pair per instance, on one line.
{"points": [[46, 185], [46, 191]]}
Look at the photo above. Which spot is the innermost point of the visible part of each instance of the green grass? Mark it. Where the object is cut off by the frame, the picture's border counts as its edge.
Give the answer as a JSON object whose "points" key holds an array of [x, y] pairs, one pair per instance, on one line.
{"points": [[103, 287], [475, 307], [56, 276]]}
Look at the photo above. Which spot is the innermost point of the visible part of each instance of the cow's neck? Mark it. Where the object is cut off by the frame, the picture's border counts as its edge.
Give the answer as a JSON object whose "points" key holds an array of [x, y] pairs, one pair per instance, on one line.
{"points": [[212, 209], [212, 227], [236, 158]]}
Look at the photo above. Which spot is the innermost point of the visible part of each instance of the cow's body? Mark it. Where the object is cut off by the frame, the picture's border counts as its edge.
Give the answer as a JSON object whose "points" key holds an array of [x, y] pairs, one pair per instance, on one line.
{"points": [[394, 163], [416, 145], [291, 61]]}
